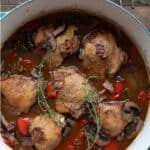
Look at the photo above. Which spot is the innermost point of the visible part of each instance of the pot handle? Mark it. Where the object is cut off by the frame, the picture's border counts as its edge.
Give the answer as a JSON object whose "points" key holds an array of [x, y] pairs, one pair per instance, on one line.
{"points": [[6, 13]]}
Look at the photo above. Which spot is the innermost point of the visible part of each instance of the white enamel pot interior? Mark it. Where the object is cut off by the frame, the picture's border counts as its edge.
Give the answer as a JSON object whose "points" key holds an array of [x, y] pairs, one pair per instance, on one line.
{"points": [[134, 29]]}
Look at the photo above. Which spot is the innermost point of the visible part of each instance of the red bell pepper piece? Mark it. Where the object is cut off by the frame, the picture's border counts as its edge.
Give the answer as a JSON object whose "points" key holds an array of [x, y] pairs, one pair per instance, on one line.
{"points": [[51, 92], [114, 96], [113, 145], [119, 87], [144, 96], [23, 125], [83, 121], [27, 63]]}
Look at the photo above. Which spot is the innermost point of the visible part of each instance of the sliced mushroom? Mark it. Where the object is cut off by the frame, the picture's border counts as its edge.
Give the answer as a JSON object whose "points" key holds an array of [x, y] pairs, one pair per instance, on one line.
{"points": [[90, 130], [103, 139], [5, 75], [45, 39], [67, 44], [132, 128], [112, 123], [59, 30], [108, 86], [49, 42], [130, 107], [76, 113], [11, 137], [66, 131], [130, 110], [3, 120], [69, 124], [117, 115]]}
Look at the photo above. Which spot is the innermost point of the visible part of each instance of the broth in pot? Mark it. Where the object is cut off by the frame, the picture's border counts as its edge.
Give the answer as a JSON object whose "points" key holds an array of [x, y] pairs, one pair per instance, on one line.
{"points": [[72, 81]]}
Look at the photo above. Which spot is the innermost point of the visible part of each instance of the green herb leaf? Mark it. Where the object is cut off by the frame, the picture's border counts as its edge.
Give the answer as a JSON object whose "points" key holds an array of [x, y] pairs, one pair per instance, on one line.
{"points": [[42, 102], [91, 103]]}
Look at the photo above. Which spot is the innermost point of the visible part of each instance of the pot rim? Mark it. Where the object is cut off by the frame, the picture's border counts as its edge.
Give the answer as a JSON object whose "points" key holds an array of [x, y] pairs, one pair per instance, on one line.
{"points": [[7, 13]]}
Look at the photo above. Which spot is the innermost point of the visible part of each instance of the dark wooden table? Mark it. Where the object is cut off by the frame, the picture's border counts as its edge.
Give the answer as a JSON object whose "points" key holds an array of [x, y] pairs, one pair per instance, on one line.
{"points": [[141, 10]]}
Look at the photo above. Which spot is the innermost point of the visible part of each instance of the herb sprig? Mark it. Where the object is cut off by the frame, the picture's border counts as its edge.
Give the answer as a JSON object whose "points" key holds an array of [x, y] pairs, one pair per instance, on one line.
{"points": [[91, 103], [42, 102], [38, 69]]}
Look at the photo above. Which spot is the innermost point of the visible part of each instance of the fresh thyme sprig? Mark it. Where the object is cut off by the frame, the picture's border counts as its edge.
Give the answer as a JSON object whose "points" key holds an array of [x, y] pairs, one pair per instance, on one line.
{"points": [[91, 103], [38, 70], [42, 102], [42, 99]]}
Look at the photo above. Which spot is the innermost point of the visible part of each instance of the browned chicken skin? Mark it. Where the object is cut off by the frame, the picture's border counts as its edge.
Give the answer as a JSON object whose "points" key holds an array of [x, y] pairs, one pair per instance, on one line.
{"points": [[101, 54], [20, 92], [51, 132], [117, 115], [65, 44], [41, 34], [113, 122], [71, 95]]}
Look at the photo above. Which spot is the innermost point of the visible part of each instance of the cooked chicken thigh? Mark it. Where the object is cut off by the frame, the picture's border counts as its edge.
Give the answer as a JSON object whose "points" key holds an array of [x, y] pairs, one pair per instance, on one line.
{"points": [[64, 44], [42, 35], [113, 122], [51, 132], [20, 92], [117, 115], [71, 95], [68, 43], [101, 54]]}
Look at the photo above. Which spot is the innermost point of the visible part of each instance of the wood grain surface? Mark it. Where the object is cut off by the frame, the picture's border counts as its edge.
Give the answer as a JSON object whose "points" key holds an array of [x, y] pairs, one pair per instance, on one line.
{"points": [[141, 10]]}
